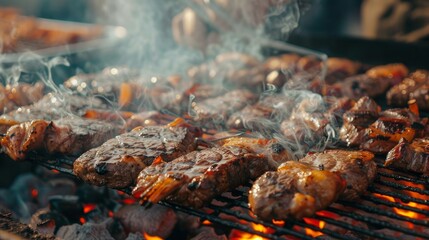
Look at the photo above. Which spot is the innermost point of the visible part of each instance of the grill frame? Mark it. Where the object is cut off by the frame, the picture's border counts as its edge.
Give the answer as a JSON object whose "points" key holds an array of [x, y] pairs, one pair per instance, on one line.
{"points": [[222, 209]]}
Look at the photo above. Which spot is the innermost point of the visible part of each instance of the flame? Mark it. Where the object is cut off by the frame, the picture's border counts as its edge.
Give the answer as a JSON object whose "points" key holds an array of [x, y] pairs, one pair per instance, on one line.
{"points": [[88, 207], [110, 213], [279, 223], [207, 222], [55, 171], [408, 213], [316, 223], [239, 235], [82, 220], [149, 237], [34, 193]]}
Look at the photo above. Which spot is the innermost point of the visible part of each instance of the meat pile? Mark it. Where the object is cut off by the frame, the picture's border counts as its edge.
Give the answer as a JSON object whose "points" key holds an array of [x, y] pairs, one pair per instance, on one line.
{"points": [[175, 138]]}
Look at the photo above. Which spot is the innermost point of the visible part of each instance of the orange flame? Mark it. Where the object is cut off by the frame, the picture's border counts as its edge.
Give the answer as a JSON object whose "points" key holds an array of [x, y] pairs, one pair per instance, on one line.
{"points": [[279, 223], [82, 220], [207, 222], [88, 207], [316, 223], [149, 237], [239, 235]]}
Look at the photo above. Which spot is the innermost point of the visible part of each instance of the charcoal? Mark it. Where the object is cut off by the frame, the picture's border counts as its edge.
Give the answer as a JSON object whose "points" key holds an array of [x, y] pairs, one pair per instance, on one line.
{"points": [[68, 205], [46, 221], [155, 221], [186, 222], [135, 236], [208, 233], [87, 231], [60, 186]]}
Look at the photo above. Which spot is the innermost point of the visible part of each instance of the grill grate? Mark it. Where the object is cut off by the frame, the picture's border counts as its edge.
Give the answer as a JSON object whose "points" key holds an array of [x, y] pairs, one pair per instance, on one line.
{"points": [[372, 217]]}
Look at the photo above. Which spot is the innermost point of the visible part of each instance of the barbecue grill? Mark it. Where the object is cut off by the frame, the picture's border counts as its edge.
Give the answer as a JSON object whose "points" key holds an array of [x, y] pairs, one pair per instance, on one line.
{"points": [[395, 206]]}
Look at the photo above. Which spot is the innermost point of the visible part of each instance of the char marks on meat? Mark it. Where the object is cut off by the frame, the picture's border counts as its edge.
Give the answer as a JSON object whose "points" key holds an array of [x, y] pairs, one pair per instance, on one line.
{"points": [[295, 190], [412, 156], [118, 161], [357, 168], [69, 136], [196, 178]]}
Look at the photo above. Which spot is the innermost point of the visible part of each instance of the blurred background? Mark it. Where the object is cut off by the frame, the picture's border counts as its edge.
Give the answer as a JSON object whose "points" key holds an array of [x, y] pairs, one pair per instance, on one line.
{"points": [[392, 19]]}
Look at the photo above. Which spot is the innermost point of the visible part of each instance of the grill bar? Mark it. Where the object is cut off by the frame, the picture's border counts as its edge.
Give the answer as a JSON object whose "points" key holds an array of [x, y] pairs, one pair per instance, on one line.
{"points": [[376, 222], [402, 187], [402, 197], [234, 204], [394, 204], [378, 211]]}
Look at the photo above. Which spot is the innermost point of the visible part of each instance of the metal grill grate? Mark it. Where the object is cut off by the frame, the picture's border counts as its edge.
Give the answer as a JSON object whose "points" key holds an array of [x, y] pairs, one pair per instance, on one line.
{"points": [[374, 216]]}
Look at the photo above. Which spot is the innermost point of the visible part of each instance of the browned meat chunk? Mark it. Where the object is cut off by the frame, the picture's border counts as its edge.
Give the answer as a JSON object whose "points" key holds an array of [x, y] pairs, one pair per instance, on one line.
{"points": [[412, 156], [357, 168], [196, 178], [215, 111], [357, 119], [118, 161], [70, 136], [295, 190], [264, 114], [358, 86], [386, 132], [416, 86]]}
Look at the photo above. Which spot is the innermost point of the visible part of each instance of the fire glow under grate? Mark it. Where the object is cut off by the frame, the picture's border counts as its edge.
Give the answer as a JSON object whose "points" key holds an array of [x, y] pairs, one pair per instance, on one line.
{"points": [[396, 206]]}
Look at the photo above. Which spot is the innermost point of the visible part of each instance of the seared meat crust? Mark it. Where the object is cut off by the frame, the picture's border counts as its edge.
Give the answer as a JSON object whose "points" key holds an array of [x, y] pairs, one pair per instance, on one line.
{"points": [[357, 168], [196, 178], [412, 156], [118, 161], [295, 190], [70, 136]]}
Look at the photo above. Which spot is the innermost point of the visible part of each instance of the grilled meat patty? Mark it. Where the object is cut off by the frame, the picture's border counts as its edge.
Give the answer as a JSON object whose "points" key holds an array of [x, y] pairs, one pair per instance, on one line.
{"points": [[118, 161], [357, 168], [70, 136], [197, 177], [412, 156], [295, 190]]}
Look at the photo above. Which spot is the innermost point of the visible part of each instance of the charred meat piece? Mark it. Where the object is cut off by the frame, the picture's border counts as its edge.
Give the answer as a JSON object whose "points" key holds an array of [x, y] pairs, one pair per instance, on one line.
{"points": [[196, 178], [357, 119], [70, 136], [394, 72], [390, 127], [340, 68], [215, 111], [416, 86], [358, 86], [295, 190], [357, 168], [412, 156], [118, 161], [272, 109]]}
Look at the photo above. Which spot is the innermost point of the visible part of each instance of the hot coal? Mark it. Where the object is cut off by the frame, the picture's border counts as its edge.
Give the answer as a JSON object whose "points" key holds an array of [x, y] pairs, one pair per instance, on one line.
{"points": [[155, 221]]}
